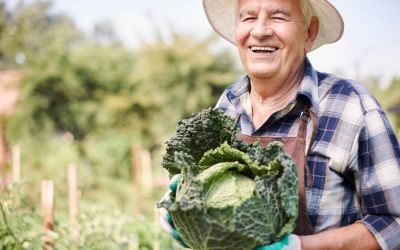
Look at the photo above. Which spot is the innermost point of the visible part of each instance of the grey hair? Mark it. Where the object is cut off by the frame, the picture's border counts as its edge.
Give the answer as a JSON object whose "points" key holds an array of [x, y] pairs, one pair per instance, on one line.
{"points": [[307, 11]]}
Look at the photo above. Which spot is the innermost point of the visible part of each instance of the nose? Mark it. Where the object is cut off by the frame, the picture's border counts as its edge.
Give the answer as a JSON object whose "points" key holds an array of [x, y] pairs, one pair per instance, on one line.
{"points": [[261, 29]]}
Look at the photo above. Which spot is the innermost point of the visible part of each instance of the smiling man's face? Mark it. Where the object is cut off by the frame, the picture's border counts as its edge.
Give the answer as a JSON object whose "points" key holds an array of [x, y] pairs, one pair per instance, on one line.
{"points": [[271, 37]]}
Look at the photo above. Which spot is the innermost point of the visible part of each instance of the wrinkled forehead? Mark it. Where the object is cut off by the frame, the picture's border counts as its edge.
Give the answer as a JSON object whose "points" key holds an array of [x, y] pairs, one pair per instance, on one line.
{"points": [[293, 5]]}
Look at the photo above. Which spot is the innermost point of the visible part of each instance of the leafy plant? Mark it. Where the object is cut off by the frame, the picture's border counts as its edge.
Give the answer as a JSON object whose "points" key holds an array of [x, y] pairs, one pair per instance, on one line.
{"points": [[231, 195], [20, 224], [99, 226]]}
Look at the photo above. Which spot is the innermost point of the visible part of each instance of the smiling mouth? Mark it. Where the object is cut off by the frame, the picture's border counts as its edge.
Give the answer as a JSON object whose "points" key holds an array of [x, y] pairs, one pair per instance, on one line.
{"points": [[263, 50]]}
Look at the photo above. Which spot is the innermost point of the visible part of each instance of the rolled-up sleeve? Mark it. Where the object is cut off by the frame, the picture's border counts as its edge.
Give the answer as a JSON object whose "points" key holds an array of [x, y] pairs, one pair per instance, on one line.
{"points": [[379, 179]]}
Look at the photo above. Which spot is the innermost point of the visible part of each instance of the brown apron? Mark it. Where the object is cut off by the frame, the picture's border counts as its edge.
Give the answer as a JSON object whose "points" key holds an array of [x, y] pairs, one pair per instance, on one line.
{"points": [[295, 147]]}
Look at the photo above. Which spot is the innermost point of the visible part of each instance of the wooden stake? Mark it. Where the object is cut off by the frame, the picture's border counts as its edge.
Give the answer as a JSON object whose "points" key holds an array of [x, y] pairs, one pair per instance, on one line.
{"points": [[136, 164], [16, 164], [48, 212], [156, 241], [136, 173], [3, 155], [146, 173], [73, 197]]}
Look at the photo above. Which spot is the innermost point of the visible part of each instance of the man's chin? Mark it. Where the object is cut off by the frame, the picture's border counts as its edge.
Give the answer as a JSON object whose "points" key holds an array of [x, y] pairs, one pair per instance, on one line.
{"points": [[262, 71]]}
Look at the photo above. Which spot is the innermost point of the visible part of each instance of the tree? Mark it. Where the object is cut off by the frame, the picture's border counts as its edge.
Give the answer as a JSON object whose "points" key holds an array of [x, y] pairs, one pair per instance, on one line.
{"points": [[389, 98], [27, 29], [98, 94], [175, 78], [392, 103]]}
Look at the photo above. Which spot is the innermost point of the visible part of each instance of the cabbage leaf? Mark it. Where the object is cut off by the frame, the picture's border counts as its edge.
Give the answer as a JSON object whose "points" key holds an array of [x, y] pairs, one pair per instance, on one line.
{"points": [[231, 195]]}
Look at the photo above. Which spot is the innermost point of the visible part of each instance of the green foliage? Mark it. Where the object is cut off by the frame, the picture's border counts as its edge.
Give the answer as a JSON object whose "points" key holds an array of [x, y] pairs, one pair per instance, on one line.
{"points": [[177, 78], [30, 30], [106, 97], [20, 227], [100, 227], [231, 195], [85, 101], [389, 97], [68, 94]]}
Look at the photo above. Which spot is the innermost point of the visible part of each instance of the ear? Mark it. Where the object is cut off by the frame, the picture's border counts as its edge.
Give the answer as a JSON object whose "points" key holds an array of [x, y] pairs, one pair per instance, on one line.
{"points": [[312, 33]]}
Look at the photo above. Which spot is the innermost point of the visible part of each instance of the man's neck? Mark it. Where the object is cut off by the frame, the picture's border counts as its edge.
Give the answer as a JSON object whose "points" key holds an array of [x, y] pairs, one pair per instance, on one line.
{"points": [[276, 97], [270, 96]]}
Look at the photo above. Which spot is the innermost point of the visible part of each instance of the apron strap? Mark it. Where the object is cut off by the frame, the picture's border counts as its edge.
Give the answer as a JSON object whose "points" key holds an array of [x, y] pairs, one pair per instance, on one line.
{"points": [[305, 118]]}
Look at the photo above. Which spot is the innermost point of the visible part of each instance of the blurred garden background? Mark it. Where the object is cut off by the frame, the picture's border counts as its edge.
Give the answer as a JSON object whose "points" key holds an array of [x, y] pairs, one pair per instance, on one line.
{"points": [[83, 98]]}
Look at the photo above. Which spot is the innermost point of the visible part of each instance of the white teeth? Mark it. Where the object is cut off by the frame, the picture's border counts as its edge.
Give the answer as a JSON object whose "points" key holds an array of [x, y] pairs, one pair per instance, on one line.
{"points": [[267, 49]]}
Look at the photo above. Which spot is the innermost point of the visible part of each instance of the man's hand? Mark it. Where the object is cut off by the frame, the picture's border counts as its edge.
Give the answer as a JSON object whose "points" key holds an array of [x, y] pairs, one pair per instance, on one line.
{"points": [[165, 218], [290, 242]]}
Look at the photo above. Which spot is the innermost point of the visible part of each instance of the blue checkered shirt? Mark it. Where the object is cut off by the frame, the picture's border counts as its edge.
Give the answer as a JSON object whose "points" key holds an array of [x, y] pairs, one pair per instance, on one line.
{"points": [[354, 160]]}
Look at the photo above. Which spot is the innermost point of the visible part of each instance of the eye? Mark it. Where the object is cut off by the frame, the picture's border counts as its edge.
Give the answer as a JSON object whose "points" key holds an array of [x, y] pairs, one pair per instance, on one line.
{"points": [[279, 18], [247, 18]]}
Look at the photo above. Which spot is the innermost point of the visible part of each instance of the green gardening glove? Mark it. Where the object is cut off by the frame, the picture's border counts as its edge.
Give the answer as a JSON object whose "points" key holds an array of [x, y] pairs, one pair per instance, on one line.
{"points": [[289, 242], [165, 218]]}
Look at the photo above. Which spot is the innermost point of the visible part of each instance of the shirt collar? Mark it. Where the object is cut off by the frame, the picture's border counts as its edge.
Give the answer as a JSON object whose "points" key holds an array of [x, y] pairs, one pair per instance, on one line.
{"points": [[308, 88]]}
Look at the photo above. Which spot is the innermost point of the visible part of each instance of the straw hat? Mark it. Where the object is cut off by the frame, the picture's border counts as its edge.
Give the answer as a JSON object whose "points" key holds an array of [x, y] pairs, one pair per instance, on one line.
{"points": [[222, 16]]}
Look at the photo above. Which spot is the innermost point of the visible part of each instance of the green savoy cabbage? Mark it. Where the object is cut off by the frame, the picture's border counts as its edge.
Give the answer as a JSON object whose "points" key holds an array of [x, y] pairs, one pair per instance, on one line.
{"points": [[231, 195]]}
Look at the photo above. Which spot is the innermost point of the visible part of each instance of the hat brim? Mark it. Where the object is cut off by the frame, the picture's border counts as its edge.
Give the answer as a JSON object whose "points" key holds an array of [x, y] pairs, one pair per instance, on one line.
{"points": [[221, 14]]}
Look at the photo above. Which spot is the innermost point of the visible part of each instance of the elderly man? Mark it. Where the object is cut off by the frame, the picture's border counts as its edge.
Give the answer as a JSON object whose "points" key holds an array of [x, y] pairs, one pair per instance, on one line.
{"points": [[350, 189]]}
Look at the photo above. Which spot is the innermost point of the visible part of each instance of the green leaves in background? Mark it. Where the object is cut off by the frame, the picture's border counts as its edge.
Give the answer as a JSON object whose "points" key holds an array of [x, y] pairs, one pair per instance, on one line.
{"points": [[85, 99]]}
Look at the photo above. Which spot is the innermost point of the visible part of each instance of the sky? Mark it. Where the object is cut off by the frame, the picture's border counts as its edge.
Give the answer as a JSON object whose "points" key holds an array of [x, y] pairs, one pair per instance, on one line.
{"points": [[370, 44]]}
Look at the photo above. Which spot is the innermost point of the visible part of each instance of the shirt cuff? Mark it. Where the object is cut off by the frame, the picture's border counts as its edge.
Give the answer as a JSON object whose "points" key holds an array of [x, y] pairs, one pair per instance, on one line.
{"points": [[385, 229]]}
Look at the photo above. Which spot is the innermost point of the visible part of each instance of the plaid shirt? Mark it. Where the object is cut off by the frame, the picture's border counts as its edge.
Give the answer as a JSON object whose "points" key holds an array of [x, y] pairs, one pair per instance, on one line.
{"points": [[354, 161]]}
